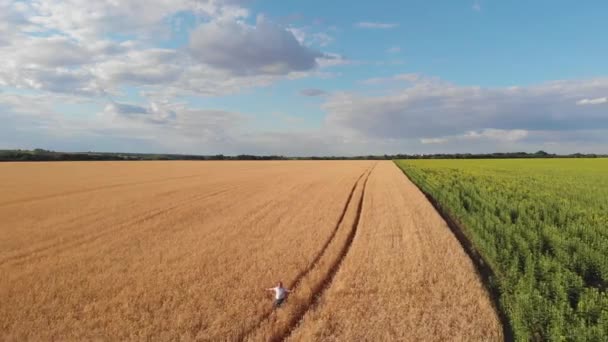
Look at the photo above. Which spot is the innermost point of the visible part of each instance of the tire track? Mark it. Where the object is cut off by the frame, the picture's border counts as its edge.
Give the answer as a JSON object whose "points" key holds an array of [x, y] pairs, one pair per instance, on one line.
{"points": [[300, 276], [325, 284], [319, 289], [315, 261]]}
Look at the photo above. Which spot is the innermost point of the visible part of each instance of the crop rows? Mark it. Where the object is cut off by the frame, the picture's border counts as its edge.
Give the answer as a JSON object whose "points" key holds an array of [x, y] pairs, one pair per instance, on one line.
{"points": [[184, 250], [542, 226]]}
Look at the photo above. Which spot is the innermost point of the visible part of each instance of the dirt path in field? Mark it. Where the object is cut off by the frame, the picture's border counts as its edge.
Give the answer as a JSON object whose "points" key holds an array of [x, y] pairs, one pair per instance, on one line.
{"points": [[405, 277]]}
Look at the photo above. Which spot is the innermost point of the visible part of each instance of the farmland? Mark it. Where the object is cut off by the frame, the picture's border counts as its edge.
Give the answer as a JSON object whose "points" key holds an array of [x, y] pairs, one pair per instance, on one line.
{"points": [[542, 226], [184, 250]]}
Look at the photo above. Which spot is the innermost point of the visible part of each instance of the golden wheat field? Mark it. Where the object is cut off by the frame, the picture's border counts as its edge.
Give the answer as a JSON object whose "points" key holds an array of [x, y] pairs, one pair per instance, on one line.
{"points": [[184, 251]]}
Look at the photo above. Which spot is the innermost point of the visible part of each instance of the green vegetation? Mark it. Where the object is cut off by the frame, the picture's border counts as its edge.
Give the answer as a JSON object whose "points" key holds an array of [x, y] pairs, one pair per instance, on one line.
{"points": [[45, 155], [542, 226]]}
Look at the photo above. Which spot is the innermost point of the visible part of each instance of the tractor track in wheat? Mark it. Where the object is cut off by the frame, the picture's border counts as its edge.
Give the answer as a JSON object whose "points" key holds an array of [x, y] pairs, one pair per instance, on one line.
{"points": [[326, 283], [281, 332], [298, 279]]}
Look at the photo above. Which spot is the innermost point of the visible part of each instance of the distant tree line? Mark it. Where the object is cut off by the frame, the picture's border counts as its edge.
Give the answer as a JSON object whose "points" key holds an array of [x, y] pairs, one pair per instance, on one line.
{"points": [[46, 155]]}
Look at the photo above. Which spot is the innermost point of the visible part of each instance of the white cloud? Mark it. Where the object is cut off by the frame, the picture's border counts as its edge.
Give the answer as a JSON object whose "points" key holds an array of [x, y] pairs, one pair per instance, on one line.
{"points": [[428, 108], [299, 34], [58, 53], [164, 126], [333, 59], [159, 126], [46, 50], [154, 113], [142, 67], [11, 20], [599, 100], [375, 25], [173, 120], [394, 49], [243, 49], [60, 80], [305, 37], [94, 19]]}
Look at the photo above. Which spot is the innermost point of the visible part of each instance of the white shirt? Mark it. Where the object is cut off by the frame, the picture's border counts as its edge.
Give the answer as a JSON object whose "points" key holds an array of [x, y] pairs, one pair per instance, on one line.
{"points": [[279, 292]]}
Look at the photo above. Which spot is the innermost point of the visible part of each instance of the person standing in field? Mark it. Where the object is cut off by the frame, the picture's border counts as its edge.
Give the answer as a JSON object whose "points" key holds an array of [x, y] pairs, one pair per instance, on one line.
{"points": [[280, 293]]}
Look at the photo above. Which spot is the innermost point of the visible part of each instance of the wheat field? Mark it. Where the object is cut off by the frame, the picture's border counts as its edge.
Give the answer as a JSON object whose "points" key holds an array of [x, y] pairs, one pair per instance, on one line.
{"points": [[184, 250]]}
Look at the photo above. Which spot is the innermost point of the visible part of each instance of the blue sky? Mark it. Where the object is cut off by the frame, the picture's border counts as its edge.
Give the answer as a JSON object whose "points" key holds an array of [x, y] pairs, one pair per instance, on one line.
{"points": [[305, 77]]}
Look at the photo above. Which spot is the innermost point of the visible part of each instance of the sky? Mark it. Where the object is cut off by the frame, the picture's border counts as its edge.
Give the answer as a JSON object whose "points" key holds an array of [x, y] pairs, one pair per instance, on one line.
{"points": [[301, 78]]}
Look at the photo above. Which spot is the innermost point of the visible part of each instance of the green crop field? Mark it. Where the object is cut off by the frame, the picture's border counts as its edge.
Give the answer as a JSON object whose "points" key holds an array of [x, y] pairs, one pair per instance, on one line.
{"points": [[542, 226]]}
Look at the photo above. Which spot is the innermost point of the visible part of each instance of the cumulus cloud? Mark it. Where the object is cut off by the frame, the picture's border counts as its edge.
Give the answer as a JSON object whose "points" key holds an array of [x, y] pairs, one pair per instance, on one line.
{"points": [[265, 48], [154, 113], [105, 50], [174, 119], [599, 100], [312, 92], [305, 37], [141, 67], [157, 126], [11, 19], [173, 127], [152, 69], [92, 19], [375, 25], [60, 80], [54, 64], [103, 46], [54, 51], [434, 109]]}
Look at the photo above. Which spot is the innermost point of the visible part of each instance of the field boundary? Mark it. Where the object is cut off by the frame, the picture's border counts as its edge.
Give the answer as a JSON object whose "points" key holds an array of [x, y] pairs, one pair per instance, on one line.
{"points": [[482, 268]]}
